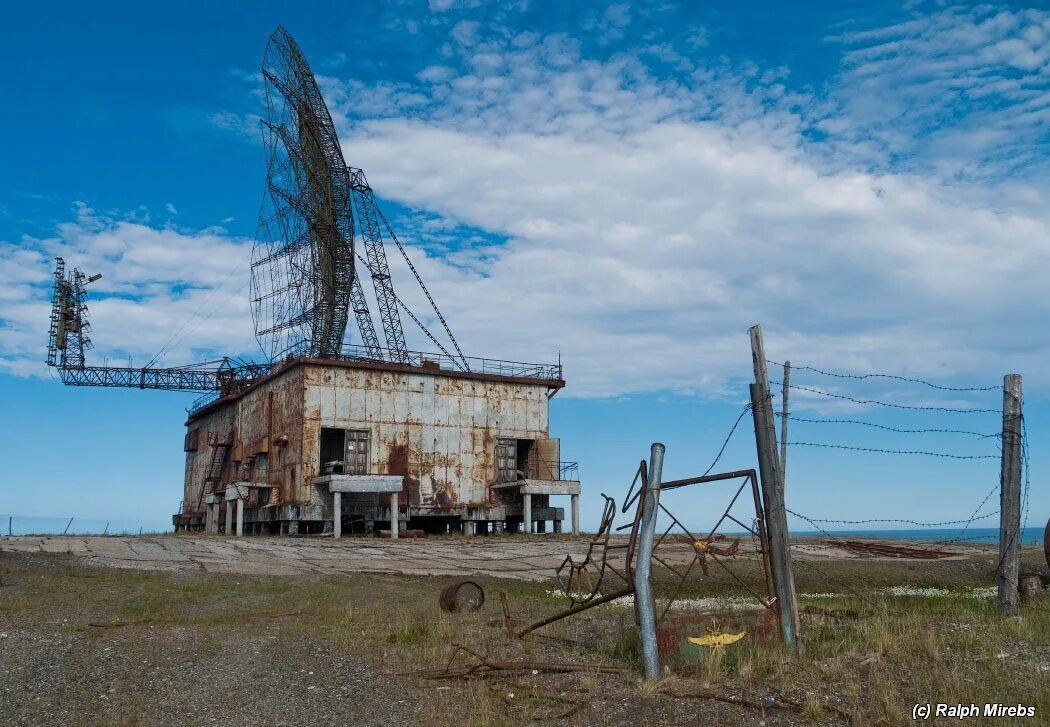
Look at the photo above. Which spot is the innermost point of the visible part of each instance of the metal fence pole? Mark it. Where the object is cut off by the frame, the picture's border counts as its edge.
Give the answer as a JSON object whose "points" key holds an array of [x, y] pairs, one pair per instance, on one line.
{"points": [[643, 587], [1010, 499], [67, 526], [10, 520]]}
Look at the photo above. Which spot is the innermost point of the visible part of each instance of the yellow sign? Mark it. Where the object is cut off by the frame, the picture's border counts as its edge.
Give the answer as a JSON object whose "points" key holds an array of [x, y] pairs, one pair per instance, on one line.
{"points": [[717, 641]]}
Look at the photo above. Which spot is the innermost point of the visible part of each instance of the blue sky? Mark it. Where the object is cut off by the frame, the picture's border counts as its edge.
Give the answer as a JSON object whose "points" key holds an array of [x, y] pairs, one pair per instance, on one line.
{"points": [[629, 185]]}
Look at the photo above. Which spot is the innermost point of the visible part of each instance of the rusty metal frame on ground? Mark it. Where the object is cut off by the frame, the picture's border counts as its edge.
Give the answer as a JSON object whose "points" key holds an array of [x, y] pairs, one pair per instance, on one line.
{"points": [[573, 574]]}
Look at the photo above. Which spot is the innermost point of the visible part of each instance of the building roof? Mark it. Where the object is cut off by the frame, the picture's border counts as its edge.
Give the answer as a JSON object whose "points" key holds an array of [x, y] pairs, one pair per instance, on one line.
{"points": [[508, 372]]}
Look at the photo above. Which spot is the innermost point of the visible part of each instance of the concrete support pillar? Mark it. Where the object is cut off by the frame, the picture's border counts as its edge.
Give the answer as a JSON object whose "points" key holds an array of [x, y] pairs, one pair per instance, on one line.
{"points": [[557, 526], [393, 515], [526, 526], [293, 527], [575, 514], [229, 517], [337, 514], [240, 517], [541, 526], [498, 527]]}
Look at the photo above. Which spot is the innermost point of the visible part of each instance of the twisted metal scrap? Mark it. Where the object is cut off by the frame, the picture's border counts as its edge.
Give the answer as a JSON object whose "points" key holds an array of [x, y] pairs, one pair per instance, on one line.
{"points": [[571, 574]]}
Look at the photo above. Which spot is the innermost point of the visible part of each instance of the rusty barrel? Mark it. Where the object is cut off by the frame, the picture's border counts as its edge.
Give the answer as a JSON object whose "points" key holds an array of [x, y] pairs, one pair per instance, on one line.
{"points": [[1046, 542], [461, 596]]}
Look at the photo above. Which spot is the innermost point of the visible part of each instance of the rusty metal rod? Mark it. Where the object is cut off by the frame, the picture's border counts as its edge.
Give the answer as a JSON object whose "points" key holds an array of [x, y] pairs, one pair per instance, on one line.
{"points": [[575, 610]]}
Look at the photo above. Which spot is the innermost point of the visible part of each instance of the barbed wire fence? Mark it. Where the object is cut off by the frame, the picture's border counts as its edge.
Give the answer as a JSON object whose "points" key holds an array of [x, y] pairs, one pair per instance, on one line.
{"points": [[30, 525], [994, 436], [841, 432]]}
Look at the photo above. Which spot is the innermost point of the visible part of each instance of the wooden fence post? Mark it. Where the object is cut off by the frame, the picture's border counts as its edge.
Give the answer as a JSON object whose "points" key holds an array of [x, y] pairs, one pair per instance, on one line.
{"points": [[1010, 499], [773, 496]]}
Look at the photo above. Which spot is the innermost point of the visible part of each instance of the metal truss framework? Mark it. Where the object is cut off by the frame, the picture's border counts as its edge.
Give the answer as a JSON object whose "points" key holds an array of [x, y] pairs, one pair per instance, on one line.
{"points": [[304, 281], [303, 264]]}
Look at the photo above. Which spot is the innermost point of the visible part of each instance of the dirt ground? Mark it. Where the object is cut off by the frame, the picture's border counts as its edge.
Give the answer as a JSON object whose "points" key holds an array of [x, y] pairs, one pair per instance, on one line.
{"points": [[215, 630]]}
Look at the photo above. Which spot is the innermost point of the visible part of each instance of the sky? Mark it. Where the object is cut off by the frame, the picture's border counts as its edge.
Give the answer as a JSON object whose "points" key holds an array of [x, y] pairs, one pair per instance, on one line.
{"points": [[628, 186]]}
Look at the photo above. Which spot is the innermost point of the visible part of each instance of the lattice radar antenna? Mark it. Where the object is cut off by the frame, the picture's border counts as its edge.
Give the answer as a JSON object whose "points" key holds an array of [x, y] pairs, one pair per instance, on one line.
{"points": [[302, 273], [68, 337]]}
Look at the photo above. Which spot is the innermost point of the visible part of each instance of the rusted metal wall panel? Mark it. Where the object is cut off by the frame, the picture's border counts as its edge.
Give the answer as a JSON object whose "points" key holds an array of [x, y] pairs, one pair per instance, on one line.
{"points": [[439, 432], [266, 419]]}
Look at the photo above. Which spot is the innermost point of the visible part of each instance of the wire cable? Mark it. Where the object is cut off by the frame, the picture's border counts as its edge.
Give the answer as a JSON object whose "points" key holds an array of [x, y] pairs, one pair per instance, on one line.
{"points": [[944, 455], [747, 407], [979, 435], [861, 377], [951, 410]]}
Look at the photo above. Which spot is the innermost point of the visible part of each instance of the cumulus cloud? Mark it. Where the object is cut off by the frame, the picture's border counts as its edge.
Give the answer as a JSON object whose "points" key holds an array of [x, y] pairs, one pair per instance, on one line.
{"points": [[638, 224], [154, 281]]}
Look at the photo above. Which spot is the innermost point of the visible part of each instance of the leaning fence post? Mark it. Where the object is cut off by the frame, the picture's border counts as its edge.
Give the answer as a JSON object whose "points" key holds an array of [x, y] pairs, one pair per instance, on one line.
{"points": [[67, 526], [643, 587], [10, 520], [773, 496], [1010, 499]]}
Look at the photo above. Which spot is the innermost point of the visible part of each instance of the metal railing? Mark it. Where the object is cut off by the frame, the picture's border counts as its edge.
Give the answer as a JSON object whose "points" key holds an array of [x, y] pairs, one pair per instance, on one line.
{"points": [[214, 382], [540, 469], [497, 367]]}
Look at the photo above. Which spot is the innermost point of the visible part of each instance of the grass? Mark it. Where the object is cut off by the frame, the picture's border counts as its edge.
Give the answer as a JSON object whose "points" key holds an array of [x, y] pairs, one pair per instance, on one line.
{"points": [[901, 650]]}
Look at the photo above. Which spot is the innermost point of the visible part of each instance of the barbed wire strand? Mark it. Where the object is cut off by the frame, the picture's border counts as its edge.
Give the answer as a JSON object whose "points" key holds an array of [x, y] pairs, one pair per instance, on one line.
{"points": [[747, 408], [977, 510], [1025, 457], [814, 521], [946, 409], [969, 432], [860, 377], [943, 455]]}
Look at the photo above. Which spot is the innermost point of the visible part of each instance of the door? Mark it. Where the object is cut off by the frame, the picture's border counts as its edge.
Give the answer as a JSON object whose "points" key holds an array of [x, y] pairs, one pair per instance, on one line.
{"points": [[357, 460], [506, 460]]}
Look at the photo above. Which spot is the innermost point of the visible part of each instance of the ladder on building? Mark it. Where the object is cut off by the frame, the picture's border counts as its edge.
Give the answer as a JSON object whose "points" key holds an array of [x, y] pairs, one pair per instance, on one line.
{"points": [[216, 466]]}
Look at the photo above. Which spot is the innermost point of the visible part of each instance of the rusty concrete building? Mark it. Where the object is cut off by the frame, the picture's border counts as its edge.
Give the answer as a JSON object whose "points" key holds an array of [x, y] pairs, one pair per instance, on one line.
{"points": [[363, 446]]}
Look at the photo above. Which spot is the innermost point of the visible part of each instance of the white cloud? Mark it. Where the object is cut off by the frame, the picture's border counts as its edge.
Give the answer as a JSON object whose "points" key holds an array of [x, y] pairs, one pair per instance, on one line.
{"points": [[639, 224], [154, 281], [964, 91]]}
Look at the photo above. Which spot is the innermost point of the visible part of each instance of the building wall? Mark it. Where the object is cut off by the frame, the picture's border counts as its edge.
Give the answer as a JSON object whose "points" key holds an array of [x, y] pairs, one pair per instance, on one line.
{"points": [[440, 432], [266, 420]]}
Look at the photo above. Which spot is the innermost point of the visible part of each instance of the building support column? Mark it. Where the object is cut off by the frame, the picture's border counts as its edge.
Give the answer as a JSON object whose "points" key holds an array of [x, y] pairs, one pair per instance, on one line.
{"points": [[557, 526], [240, 517], [337, 514], [498, 527], [393, 516], [229, 517], [526, 526], [575, 514]]}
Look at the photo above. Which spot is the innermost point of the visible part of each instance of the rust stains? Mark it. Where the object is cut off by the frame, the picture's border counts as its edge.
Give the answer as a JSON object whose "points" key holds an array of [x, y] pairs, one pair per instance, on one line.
{"points": [[397, 464]]}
